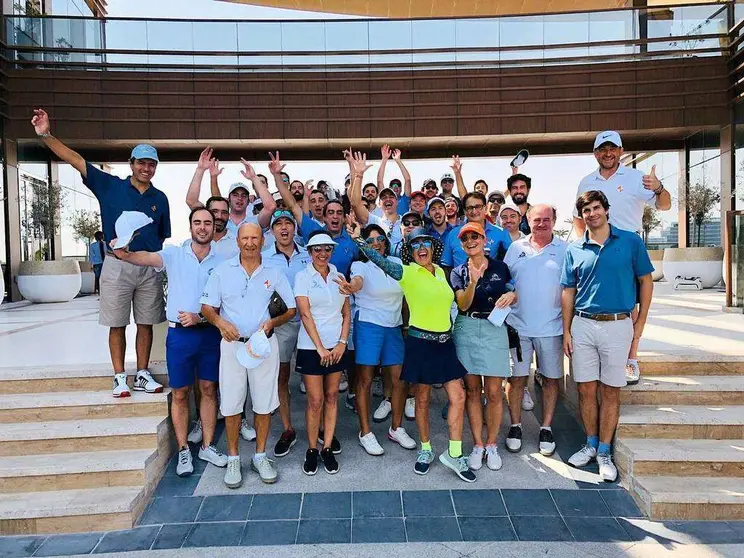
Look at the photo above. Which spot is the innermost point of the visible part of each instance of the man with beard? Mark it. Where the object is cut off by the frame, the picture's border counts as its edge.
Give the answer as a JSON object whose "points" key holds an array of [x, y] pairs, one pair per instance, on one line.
{"points": [[125, 288], [439, 228], [430, 188], [369, 194], [519, 186], [404, 199], [297, 189], [627, 190], [192, 347], [495, 201], [447, 183]]}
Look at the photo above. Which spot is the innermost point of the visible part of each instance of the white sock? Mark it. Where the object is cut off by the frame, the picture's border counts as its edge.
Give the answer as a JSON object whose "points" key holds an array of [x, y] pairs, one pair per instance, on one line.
{"points": [[233, 458], [548, 428], [257, 456], [519, 424]]}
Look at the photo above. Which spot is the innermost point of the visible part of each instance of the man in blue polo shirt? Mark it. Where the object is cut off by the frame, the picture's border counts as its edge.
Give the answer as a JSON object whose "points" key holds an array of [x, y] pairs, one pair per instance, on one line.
{"points": [[124, 287], [599, 292]]}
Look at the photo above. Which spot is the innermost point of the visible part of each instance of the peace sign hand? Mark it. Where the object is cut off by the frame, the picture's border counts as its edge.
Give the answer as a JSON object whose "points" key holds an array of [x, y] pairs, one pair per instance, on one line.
{"points": [[476, 273], [275, 166]]}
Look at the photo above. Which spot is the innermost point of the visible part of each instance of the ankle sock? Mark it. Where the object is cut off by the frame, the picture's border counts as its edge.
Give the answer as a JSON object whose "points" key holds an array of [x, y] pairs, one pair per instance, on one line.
{"points": [[604, 449], [519, 424], [592, 441], [233, 458], [548, 428], [455, 448], [426, 446], [257, 456]]}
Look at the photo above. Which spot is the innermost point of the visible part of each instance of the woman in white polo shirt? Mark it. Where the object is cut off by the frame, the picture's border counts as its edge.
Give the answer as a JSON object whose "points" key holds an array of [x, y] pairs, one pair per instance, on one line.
{"points": [[321, 348]]}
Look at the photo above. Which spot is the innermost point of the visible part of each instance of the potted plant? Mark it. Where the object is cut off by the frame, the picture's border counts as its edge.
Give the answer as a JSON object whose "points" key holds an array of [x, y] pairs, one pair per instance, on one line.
{"points": [[650, 222], [705, 262], [84, 226]]}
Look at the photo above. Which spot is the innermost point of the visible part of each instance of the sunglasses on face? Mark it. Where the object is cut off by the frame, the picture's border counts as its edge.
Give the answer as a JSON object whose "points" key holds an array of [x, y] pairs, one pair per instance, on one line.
{"points": [[408, 223], [470, 236], [496, 200], [418, 244], [430, 187], [373, 239], [319, 249], [474, 207]]}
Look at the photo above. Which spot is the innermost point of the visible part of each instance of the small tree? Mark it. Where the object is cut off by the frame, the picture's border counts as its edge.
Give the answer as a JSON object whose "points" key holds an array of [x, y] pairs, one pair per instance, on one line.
{"points": [[42, 219], [700, 200], [649, 222], [84, 225], [562, 233]]}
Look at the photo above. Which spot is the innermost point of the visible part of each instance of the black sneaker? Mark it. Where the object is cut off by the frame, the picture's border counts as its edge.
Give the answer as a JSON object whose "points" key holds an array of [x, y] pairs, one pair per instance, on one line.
{"points": [[310, 466], [547, 443], [351, 402], [514, 439], [329, 461], [285, 443], [335, 444]]}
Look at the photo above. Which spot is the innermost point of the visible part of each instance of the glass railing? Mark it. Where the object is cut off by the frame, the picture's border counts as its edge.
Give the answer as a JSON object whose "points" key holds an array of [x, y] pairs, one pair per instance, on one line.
{"points": [[183, 45]]}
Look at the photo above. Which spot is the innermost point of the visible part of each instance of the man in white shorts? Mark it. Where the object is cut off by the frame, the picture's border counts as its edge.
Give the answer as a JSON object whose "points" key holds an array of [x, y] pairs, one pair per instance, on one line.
{"points": [[600, 276], [242, 288], [535, 263]]}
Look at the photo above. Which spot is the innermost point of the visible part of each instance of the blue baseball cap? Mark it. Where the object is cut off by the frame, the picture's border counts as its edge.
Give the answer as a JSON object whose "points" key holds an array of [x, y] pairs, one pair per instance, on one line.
{"points": [[145, 151]]}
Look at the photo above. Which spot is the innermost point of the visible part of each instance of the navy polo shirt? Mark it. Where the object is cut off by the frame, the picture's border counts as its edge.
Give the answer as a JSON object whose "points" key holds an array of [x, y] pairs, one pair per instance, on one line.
{"points": [[116, 195], [605, 276], [343, 254]]}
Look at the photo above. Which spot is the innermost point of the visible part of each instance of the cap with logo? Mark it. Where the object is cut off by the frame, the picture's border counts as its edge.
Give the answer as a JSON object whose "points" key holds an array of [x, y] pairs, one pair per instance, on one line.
{"points": [[608, 136], [235, 185], [447, 176], [145, 151], [417, 193], [432, 201]]}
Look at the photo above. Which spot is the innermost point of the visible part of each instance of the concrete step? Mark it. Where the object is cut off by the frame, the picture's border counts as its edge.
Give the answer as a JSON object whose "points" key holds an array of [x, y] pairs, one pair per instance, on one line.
{"points": [[68, 436], [685, 390], [65, 471], [49, 379], [695, 422], [697, 365], [65, 511], [30, 407], [710, 498], [689, 458]]}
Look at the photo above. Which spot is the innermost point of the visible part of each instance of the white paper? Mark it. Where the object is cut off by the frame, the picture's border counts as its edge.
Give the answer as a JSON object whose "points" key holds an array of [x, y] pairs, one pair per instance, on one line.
{"points": [[498, 315]]}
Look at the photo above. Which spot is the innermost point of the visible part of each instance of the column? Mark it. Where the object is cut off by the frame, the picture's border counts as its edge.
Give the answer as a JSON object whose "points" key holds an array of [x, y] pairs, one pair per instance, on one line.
{"points": [[13, 230], [684, 175]]}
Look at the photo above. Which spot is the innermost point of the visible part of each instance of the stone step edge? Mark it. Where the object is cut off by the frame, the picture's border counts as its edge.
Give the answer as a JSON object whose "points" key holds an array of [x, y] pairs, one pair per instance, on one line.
{"points": [[647, 488], [74, 463], [625, 446], [25, 401], [705, 383], [30, 373], [735, 412], [68, 429], [90, 501]]}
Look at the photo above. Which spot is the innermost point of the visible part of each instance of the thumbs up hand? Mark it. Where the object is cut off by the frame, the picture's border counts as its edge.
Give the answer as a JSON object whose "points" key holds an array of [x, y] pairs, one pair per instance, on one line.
{"points": [[651, 181]]}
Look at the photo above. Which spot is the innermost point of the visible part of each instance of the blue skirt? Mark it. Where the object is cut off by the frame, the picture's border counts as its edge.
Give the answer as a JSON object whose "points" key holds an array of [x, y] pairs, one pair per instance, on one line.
{"points": [[431, 362]]}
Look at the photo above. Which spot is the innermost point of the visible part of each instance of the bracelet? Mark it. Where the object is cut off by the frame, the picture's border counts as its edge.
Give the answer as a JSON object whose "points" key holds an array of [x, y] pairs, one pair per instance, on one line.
{"points": [[659, 190], [343, 341], [44, 135]]}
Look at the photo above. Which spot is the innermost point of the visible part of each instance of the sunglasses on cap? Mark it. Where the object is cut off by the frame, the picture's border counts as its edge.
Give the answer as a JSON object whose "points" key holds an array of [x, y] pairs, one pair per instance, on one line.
{"points": [[470, 236], [324, 248], [373, 239], [418, 244], [411, 223], [282, 213]]}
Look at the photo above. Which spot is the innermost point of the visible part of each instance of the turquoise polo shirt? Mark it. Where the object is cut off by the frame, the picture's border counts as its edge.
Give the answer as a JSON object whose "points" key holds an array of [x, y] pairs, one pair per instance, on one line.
{"points": [[605, 276], [497, 241]]}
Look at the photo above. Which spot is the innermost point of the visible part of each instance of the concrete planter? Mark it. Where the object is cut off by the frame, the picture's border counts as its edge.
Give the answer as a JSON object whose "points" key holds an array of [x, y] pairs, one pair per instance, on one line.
{"points": [[55, 281], [88, 278], [657, 257], [703, 262]]}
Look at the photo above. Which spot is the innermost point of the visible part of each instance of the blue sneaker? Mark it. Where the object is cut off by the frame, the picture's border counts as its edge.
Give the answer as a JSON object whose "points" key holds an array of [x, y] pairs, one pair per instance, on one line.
{"points": [[423, 461]]}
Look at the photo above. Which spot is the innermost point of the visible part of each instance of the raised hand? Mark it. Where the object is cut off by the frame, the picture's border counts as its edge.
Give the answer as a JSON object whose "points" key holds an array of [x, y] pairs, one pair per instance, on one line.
{"points": [[348, 155], [248, 172], [309, 188], [476, 273], [650, 181], [352, 227], [396, 155], [214, 167], [275, 165], [456, 164], [385, 152], [359, 164], [205, 159], [40, 122]]}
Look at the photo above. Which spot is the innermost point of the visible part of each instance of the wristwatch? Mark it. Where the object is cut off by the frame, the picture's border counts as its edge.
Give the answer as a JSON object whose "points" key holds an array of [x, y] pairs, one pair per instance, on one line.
{"points": [[659, 190], [202, 319], [44, 135], [343, 341]]}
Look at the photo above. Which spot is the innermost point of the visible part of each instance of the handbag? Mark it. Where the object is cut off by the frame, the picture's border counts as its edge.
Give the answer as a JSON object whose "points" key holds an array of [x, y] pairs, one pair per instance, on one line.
{"points": [[277, 306], [514, 343]]}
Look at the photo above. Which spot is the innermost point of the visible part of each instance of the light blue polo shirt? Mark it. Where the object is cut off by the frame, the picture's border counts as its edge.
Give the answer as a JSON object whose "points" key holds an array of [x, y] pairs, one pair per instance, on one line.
{"points": [[605, 276], [496, 238]]}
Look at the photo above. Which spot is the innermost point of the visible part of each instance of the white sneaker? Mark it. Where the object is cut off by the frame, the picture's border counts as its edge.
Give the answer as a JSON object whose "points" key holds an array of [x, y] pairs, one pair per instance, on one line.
{"points": [[247, 432], [401, 437], [185, 465], [370, 444], [265, 469], [233, 476], [607, 469], [410, 410], [632, 372], [196, 434], [582, 457], [493, 459], [121, 389], [144, 381], [383, 411], [303, 389], [344, 383], [213, 456], [475, 460], [527, 403]]}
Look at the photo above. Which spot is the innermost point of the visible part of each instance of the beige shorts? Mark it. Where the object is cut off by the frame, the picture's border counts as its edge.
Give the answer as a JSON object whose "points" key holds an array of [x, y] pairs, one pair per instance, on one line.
{"points": [[127, 288], [549, 353], [600, 350], [236, 380], [286, 335]]}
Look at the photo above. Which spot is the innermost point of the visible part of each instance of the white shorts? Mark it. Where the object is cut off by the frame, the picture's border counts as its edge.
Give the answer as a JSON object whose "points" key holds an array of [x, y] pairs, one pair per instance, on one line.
{"points": [[235, 380], [286, 335], [549, 351], [600, 350]]}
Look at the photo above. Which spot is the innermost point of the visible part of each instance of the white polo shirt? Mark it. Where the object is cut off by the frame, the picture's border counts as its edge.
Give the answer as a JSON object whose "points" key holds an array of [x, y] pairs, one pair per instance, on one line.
{"points": [[537, 279], [381, 299], [187, 277], [274, 259], [392, 230], [249, 218], [242, 298], [626, 194], [227, 246], [326, 302]]}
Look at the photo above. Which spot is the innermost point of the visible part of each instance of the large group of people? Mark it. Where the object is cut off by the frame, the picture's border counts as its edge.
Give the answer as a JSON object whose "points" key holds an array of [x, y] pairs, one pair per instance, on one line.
{"points": [[440, 287]]}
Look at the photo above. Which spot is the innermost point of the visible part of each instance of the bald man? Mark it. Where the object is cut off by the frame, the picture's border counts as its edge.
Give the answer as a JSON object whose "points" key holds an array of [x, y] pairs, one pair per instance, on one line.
{"points": [[241, 289]]}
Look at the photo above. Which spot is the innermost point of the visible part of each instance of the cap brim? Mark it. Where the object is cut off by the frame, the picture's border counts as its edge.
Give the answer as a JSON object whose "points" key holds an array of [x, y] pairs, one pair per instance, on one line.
{"points": [[122, 241]]}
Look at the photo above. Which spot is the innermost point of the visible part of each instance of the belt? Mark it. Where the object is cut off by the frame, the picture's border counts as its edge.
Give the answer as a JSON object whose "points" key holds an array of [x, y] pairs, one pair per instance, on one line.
{"points": [[202, 325], [479, 315], [246, 339], [429, 335], [603, 317]]}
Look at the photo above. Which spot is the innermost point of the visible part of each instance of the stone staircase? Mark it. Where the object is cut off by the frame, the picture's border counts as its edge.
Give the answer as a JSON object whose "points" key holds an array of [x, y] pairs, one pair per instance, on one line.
{"points": [[73, 458], [680, 439]]}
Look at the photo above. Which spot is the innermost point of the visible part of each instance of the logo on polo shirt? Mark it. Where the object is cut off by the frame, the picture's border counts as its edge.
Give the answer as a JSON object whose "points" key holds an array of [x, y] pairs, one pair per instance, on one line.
{"points": [[154, 208], [522, 255], [619, 188], [267, 284]]}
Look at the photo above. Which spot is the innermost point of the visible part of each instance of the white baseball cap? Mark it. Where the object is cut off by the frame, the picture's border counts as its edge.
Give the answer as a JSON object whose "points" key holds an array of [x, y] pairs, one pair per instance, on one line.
{"points": [[127, 224], [447, 176], [321, 240], [253, 352], [237, 185], [608, 136], [507, 206]]}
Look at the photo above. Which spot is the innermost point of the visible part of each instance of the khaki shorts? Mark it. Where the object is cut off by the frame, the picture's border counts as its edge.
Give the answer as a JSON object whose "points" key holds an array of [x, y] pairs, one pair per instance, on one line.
{"points": [[236, 380], [549, 352], [600, 350], [127, 288], [286, 335]]}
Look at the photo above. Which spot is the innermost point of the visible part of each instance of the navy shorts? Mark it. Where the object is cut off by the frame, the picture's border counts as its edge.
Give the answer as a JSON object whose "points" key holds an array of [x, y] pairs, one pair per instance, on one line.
{"points": [[308, 363], [192, 353]]}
